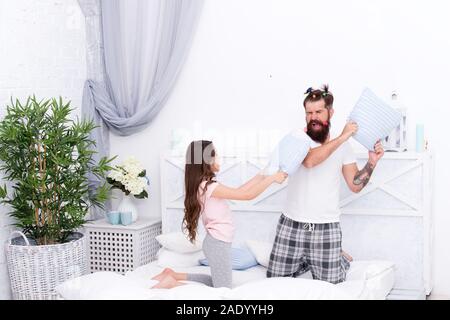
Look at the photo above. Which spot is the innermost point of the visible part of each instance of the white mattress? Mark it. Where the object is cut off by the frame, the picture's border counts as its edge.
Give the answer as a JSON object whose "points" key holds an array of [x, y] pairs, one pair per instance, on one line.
{"points": [[365, 279]]}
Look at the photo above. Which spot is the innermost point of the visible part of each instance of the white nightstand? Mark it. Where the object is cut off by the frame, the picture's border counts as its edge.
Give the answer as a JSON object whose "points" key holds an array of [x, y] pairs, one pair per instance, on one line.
{"points": [[121, 248]]}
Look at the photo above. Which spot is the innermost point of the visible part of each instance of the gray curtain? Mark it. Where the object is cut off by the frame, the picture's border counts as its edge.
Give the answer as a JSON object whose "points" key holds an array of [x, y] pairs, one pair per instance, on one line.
{"points": [[135, 52]]}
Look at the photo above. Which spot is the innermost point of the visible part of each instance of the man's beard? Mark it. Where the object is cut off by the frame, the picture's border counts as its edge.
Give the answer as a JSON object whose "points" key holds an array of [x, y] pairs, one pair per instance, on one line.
{"points": [[318, 134]]}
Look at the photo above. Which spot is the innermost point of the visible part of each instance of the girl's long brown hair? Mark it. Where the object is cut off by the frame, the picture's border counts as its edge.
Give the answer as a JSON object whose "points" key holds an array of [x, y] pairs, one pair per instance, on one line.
{"points": [[199, 159]]}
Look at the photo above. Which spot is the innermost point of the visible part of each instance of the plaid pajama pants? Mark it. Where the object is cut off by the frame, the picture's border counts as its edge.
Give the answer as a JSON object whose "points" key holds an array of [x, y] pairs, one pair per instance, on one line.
{"points": [[300, 247]]}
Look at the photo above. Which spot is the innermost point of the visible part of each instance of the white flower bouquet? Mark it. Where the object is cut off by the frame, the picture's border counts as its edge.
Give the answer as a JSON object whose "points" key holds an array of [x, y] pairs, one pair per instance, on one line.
{"points": [[130, 178]]}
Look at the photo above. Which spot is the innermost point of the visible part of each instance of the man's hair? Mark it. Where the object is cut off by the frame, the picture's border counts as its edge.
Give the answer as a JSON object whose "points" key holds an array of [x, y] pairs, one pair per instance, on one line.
{"points": [[318, 94]]}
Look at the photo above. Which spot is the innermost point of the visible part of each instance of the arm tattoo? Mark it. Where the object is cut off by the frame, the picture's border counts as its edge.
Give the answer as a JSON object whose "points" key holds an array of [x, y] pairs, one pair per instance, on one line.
{"points": [[362, 177]]}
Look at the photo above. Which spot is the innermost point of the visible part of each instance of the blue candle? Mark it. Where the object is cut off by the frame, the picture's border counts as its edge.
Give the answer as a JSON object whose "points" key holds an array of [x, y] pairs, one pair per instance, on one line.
{"points": [[420, 139]]}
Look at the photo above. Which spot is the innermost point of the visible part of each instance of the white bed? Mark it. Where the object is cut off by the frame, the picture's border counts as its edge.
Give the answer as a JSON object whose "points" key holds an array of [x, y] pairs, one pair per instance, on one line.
{"points": [[391, 219], [365, 280], [388, 242]]}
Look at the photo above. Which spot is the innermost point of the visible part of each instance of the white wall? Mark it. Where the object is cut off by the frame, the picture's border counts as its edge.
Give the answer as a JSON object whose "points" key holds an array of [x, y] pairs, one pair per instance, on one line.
{"points": [[248, 68], [42, 52], [252, 60]]}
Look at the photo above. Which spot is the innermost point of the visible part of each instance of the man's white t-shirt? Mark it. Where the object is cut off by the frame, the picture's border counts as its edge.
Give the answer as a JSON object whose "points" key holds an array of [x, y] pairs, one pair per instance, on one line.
{"points": [[313, 193]]}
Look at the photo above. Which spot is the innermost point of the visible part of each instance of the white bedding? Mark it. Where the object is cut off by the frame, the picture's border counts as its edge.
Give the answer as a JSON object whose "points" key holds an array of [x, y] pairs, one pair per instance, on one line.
{"points": [[365, 280]]}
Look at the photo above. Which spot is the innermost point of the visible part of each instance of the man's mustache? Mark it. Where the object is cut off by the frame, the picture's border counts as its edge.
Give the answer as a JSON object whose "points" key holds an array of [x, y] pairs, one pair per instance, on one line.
{"points": [[313, 122]]}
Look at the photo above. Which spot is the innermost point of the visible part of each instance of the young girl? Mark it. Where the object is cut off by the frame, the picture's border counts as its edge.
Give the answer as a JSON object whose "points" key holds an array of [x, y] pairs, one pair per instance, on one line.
{"points": [[206, 199]]}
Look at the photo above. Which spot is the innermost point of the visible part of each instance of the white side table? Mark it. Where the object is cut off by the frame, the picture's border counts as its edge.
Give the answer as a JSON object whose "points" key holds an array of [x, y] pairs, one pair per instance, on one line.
{"points": [[121, 248]]}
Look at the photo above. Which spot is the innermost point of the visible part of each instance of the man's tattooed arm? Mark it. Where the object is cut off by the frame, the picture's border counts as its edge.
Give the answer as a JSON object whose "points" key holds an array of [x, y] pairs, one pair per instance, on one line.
{"points": [[362, 177]]}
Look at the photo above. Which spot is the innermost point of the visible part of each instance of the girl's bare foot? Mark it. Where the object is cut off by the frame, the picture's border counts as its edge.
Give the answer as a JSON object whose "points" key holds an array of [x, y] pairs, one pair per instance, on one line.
{"points": [[347, 256], [164, 273], [167, 282]]}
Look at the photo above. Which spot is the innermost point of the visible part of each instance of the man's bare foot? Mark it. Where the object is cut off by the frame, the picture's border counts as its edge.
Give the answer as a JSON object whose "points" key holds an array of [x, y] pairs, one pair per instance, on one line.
{"points": [[347, 256], [167, 282], [164, 273]]}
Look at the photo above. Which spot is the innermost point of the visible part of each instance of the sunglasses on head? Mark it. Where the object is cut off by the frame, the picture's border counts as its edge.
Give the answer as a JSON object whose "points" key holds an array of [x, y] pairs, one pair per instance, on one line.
{"points": [[310, 90]]}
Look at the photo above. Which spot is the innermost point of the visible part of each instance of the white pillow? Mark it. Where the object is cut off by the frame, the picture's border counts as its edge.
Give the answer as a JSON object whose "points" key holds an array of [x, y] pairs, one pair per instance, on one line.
{"points": [[261, 251], [282, 288], [172, 259], [375, 119], [105, 285], [289, 153], [178, 242]]}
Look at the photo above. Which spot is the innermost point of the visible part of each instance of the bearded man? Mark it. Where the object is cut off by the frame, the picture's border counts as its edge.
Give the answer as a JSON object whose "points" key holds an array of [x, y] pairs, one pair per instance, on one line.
{"points": [[308, 236]]}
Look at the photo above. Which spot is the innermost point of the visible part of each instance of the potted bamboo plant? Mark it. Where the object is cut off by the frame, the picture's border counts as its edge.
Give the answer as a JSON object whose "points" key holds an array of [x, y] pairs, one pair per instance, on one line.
{"points": [[46, 157]]}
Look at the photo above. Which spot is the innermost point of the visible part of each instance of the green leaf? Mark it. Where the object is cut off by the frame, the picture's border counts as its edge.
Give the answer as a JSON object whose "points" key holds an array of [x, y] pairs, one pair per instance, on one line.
{"points": [[142, 195], [142, 174], [47, 156], [3, 192]]}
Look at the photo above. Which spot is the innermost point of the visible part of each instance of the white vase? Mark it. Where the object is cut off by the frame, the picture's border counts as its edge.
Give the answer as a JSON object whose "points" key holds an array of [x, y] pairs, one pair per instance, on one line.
{"points": [[127, 204]]}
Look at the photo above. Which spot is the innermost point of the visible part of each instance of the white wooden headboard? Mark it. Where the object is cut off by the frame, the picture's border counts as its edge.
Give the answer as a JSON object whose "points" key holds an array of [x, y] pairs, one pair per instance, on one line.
{"points": [[389, 220]]}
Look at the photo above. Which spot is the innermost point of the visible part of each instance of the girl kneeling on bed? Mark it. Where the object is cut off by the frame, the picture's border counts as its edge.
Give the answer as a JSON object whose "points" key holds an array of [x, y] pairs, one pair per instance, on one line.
{"points": [[206, 198]]}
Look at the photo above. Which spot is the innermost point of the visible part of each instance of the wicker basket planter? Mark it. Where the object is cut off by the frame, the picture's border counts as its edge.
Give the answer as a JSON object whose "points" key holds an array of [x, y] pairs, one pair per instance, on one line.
{"points": [[35, 271]]}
